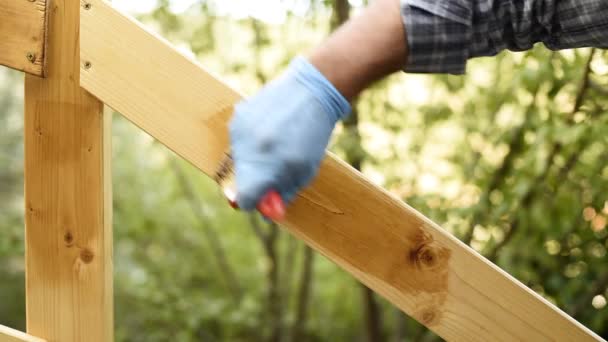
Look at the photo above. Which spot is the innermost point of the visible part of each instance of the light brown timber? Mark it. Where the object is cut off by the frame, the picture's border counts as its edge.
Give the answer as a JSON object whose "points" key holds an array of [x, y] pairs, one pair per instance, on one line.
{"points": [[67, 196], [23, 32], [383, 242], [11, 335]]}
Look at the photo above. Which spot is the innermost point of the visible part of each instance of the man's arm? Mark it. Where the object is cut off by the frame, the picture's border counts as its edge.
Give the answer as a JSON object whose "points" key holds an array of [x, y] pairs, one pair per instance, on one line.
{"points": [[365, 49], [440, 36]]}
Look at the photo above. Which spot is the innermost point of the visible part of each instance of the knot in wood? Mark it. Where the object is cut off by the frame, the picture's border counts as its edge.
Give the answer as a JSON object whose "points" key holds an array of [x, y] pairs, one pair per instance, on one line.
{"points": [[428, 317], [86, 256], [68, 238], [425, 256]]}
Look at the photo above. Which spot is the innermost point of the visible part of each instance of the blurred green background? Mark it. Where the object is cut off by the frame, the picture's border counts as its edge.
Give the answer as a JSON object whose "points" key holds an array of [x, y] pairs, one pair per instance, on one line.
{"points": [[512, 158]]}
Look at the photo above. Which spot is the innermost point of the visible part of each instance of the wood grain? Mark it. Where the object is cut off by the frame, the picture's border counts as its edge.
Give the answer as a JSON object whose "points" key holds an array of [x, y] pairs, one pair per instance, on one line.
{"points": [[23, 28], [383, 242], [67, 189], [11, 335]]}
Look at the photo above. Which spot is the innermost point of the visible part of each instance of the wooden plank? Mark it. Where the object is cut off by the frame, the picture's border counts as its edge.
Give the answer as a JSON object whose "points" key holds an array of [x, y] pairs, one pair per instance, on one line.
{"points": [[67, 195], [386, 244], [11, 335], [23, 28]]}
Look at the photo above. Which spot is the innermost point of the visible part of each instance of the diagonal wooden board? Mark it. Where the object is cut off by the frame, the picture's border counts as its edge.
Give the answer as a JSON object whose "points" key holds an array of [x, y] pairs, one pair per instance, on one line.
{"points": [[383, 242], [11, 335], [23, 33]]}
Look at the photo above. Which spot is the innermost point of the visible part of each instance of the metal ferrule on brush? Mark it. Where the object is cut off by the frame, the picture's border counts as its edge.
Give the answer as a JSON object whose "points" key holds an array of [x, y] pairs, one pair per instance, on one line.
{"points": [[226, 179]]}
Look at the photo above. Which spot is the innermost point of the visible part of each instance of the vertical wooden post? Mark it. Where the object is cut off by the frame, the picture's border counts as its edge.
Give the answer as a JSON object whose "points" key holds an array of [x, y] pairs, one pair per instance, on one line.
{"points": [[67, 195]]}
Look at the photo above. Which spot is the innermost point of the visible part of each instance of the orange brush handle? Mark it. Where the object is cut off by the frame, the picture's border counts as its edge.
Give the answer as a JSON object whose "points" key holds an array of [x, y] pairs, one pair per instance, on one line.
{"points": [[270, 205]]}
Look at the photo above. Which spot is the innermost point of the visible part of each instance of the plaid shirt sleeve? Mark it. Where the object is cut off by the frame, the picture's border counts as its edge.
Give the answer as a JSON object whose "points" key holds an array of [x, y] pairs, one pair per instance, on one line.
{"points": [[443, 34]]}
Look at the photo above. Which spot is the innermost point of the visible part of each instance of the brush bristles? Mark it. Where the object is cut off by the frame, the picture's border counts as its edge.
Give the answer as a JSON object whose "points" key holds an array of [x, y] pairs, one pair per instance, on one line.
{"points": [[226, 170], [225, 178]]}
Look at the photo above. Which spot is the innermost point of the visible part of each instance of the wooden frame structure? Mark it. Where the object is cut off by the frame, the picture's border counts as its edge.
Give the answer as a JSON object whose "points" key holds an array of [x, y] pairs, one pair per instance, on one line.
{"points": [[386, 244]]}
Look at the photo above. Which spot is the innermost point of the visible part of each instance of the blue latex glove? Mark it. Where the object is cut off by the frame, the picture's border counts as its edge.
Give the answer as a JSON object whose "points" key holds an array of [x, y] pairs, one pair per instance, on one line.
{"points": [[279, 136]]}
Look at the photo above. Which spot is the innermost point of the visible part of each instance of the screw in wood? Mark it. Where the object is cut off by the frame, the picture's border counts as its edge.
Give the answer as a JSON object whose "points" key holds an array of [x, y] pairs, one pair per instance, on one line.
{"points": [[31, 57], [87, 6], [87, 65]]}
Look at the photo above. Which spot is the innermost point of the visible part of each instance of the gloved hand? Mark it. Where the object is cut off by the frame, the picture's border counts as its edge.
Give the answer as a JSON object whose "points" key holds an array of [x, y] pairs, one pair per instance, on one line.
{"points": [[279, 136]]}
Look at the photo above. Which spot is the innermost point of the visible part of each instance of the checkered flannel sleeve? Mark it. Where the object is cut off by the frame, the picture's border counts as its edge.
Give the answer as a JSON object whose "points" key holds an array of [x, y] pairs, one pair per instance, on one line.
{"points": [[443, 34]]}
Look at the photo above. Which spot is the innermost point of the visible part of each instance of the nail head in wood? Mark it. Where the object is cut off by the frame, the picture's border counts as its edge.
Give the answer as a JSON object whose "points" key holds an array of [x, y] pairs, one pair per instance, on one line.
{"points": [[87, 6], [87, 65], [31, 57]]}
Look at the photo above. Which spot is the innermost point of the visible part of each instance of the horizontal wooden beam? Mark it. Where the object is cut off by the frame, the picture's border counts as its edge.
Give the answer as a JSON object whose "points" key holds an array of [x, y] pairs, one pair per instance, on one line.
{"points": [[11, 335], [23, 27], [383, 242]]}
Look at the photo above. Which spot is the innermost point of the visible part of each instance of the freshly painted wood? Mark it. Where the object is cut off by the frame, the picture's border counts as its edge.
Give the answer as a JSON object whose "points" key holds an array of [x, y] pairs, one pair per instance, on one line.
{"points": [[383, 242], [23, 28], [11, 335], [67, 189]]}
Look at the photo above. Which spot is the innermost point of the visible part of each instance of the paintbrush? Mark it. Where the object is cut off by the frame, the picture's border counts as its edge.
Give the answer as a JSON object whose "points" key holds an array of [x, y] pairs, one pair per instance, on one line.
{"points": [[271, 205]]}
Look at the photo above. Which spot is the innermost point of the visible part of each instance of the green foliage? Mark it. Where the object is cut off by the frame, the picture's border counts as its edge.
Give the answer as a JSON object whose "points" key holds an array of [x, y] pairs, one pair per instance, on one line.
{"points": [[511, 157]]}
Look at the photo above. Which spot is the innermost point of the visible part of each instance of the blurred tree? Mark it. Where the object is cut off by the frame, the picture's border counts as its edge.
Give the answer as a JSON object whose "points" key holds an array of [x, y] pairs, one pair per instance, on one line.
{"points": [[12, 286]]}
